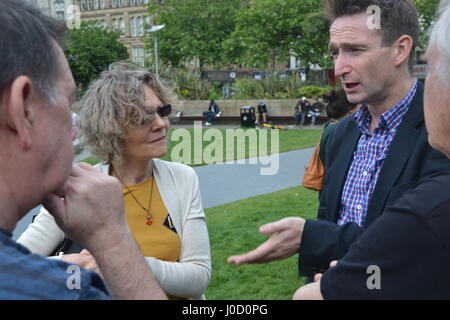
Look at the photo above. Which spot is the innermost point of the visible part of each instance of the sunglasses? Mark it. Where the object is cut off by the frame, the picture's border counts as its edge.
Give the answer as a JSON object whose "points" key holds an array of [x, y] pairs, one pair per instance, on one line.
{"points": [[164, 111]]}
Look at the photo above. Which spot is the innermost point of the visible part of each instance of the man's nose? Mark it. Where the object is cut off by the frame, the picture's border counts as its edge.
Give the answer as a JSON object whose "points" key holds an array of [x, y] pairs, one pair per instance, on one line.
{"points": [[341, 66]]}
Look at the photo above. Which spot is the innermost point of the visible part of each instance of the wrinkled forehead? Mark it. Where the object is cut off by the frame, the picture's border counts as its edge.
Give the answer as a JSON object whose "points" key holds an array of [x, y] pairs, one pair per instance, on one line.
{"points": [[353, 28]]}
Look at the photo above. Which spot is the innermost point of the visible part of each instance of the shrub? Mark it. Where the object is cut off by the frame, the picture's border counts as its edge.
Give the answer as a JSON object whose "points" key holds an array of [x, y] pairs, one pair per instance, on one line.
{"points": [[272, 84], [312, 91], [281, 87], [293, 83], [190, 86], [247, 88]]}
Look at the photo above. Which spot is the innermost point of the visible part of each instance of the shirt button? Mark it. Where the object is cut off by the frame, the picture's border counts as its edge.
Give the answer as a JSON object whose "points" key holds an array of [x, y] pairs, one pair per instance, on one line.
{"points": [[359, 207], [365, 173]]}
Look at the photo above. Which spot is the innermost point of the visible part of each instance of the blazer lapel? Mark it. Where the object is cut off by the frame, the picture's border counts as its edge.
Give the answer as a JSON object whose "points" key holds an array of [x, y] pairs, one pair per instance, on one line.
{"points": [[340, 167], [397, 157]]}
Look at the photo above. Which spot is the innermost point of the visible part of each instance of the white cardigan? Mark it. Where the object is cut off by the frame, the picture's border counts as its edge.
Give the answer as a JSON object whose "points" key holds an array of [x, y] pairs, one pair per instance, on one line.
{"points": [[179, 189]]}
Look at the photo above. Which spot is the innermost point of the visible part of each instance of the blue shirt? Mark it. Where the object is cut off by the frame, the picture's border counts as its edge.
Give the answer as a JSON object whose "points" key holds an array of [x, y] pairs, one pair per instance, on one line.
{"points": [[368, 158], [24, 275]]}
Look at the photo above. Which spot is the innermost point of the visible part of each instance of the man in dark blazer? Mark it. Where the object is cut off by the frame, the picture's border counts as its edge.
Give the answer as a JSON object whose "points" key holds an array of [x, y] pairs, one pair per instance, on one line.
{"points": [[387, 135], [410, 158], [405, 254]]}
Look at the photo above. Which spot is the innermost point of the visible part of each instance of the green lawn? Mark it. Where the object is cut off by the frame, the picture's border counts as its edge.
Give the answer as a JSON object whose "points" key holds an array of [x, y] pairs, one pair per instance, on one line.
{"points": [[185, 147], [233, 229]]}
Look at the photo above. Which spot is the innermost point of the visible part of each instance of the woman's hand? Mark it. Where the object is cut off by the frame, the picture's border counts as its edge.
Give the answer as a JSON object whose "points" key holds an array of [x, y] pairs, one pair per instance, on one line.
{"points": [[84, 259]]}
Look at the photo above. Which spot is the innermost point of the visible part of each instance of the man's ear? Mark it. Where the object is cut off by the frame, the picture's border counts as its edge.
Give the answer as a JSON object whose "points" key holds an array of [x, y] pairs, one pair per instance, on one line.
{"points": [[403, 49], [20, 109]]}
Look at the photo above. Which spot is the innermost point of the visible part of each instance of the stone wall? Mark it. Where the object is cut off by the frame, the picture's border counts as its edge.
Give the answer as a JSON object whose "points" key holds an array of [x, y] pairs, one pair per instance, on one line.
{"points": [[283, 107]]}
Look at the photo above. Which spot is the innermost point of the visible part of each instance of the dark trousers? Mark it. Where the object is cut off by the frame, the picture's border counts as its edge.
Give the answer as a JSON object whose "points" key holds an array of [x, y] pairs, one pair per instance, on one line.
{"points": [[210, 116], [300, 118]]}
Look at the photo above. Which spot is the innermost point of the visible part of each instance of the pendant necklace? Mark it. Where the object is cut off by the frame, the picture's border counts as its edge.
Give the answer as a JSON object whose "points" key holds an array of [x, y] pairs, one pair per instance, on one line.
{"points": [[147, 211]]}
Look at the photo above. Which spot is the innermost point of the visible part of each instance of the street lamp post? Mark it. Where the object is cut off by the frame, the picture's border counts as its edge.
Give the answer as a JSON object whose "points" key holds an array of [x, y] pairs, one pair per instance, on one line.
{"points": [[155, 39]]}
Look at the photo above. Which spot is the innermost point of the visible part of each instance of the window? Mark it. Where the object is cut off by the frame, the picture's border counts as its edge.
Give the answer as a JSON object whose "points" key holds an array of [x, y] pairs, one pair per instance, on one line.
{"points": [[103, 4], [60, 15], [96, 4], [141, 25], [114, 3], [59, 6], [89, 5], [132, 2], [83, 4], [135, 57], [138, 56], [121, 26], [133, 23], [121, 3]]}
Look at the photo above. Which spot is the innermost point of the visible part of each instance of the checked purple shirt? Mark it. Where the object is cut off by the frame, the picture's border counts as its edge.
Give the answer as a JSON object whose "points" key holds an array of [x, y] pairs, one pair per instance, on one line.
{"points": [[368, 159]]}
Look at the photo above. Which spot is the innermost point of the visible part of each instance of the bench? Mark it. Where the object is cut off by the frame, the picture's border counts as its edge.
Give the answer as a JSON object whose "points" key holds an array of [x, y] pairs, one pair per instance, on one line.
{"points": [[234, 119]]}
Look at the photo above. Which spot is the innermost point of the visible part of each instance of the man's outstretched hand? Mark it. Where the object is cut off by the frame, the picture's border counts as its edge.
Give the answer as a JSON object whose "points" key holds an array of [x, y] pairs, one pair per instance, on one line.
{"points": [[284, 241]]}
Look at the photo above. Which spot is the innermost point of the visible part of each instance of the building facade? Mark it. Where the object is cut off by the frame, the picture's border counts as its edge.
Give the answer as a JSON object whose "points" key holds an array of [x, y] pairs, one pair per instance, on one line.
{"points": [[128, 17], [53, 8]]}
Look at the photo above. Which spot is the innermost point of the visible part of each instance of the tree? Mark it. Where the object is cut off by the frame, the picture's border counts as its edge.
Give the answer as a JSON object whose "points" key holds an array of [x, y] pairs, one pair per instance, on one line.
{"points": [[90, 50], [427, 13], [270, 30], [194, 29]]}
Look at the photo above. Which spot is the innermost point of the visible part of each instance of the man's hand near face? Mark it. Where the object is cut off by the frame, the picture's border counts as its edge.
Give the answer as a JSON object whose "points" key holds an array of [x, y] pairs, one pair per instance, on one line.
{"points": [[92, 214]]}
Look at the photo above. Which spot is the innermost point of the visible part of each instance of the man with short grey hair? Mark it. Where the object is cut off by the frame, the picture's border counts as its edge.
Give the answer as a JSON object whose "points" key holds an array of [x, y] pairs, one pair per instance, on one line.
{"points": [[36, 134], [405, 254]]}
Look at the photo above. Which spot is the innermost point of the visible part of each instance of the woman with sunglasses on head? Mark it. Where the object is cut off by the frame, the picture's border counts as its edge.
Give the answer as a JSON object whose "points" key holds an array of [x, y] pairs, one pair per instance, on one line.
{"points": [[124, 121]]}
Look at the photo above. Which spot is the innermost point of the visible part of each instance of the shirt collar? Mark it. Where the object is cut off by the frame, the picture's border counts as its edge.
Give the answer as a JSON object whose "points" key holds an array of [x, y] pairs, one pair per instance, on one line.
{"points": [[389, 120]]}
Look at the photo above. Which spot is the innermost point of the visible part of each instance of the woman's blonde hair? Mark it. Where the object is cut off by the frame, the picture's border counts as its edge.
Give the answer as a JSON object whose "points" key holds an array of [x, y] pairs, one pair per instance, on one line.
{"points": [[113, 103]]}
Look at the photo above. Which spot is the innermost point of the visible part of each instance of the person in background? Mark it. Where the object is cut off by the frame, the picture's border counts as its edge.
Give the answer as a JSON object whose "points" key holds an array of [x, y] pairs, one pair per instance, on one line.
{"points": [[315, 110], [337, 108], [262, 113], [74, 119], [36, 92], [212, 113], [124, 120], [301, 110]]}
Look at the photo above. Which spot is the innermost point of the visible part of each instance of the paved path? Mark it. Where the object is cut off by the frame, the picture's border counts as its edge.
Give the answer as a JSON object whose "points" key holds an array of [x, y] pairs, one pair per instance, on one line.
{"points": [[225, 183]]}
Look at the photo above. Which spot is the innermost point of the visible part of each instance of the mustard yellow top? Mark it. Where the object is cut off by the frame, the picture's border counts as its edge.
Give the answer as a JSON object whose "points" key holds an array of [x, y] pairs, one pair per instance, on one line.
{"points": [[159, 240]]}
